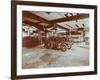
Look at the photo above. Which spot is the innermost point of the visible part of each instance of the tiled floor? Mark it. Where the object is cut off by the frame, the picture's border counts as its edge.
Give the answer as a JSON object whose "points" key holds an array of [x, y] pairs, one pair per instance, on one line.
{"points": [[40, 57]]}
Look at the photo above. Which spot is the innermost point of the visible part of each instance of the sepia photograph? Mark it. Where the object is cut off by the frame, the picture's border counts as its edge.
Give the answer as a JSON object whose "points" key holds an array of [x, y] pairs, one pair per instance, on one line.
{"points": [[55, 39]]}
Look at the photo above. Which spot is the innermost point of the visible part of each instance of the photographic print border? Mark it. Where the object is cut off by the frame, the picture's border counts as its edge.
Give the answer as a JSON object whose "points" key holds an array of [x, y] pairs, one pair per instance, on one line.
{"points": [[14, 39]]}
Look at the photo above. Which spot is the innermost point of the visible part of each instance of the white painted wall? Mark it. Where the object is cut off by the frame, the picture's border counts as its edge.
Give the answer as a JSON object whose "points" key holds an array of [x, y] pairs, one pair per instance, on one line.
{"points": [[5, 43]]}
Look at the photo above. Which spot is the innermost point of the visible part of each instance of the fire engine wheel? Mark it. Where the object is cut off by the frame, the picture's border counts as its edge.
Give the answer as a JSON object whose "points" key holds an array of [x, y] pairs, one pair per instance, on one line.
{"points": [[63, 47], [69, 46], [49, 45]]}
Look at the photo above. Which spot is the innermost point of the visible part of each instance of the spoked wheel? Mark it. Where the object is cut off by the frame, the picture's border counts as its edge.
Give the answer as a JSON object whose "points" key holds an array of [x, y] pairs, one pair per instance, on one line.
{"points": [[63, 47], [49, 45], [69, 46]]}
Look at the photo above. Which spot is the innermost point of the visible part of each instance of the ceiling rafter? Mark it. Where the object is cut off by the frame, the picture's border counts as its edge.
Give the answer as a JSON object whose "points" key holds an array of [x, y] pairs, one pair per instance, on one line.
{"points": [[31, 16], [34, 16], [33, 24], [70, 18]]}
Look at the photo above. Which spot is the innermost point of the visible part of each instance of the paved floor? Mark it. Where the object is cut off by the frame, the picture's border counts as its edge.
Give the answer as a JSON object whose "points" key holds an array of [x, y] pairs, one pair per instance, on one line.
{"points": [[39, 57]]}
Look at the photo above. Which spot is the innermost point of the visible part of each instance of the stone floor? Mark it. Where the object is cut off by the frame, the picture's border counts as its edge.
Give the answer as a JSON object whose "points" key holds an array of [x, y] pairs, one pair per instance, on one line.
{"points": [[40, 57]]}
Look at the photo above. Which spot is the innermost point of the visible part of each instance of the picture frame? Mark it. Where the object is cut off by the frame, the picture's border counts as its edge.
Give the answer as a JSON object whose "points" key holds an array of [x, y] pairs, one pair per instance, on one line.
{"points": [[17, 8]]}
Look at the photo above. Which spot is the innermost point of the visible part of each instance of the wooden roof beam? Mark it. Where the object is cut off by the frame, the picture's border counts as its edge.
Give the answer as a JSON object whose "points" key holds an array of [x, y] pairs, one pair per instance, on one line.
{"points": [[29, 16], [70, 18], [34, 24], [34, 16], [62, 27]]}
